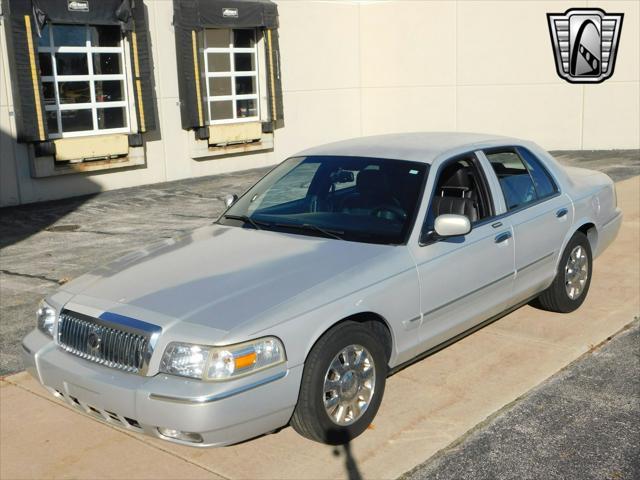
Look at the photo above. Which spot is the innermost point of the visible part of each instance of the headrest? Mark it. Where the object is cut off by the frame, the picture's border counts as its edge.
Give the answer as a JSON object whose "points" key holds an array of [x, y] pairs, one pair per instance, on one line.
{"points": [[459, 179]]}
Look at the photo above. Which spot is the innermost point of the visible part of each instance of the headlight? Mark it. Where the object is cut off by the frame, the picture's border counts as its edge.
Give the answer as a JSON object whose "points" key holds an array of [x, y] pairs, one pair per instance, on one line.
{"points": [[221, 363], [46, 318]]}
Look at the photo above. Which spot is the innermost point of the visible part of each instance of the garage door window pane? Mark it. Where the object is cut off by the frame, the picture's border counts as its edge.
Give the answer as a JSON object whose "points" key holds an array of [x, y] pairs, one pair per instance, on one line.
{"points": [[49, 93], [243, 38], [74, 92], [52, 121], [222, 110], [245, 85], [106, 63], [109, 91], [111, 118], [105, 36], [77, 120], [71, 64], [219, 86], [217, 38], [69, 35], [46, 69], [244, 62], [246, 108]]}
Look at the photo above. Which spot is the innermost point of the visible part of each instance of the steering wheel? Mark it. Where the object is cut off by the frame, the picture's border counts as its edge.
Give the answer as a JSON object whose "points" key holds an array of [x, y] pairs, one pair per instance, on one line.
{"points": [[389, 212]]}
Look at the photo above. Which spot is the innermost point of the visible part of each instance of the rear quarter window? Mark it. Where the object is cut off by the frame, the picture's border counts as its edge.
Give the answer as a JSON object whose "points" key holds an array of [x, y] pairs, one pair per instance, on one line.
{"points": [[544, 183]]}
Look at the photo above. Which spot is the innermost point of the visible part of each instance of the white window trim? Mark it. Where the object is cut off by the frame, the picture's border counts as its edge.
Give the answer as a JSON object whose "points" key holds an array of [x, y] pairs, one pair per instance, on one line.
{"points": [[231, 50], [94, 105]]}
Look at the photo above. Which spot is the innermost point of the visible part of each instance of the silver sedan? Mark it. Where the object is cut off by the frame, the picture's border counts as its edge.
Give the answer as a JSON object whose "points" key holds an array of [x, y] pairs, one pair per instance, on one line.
{"points": [[339, 267]]}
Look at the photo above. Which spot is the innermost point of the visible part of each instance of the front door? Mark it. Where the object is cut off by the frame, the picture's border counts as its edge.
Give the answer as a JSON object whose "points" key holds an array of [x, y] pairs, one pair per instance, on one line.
{"points": [[463, 280]]}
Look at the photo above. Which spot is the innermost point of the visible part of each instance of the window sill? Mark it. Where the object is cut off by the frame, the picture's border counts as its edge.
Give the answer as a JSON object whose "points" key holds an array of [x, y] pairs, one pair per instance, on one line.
{"points": [[201, 150], [48, 166]]}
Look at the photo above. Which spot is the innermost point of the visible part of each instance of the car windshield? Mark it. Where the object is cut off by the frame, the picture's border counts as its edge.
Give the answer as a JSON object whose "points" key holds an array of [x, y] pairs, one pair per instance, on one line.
{"points": [[348, 198]]}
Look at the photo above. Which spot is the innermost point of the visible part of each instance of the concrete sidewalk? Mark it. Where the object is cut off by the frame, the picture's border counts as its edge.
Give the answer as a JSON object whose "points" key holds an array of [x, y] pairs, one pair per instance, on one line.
{"points": [[426, 406], [582, 423]]}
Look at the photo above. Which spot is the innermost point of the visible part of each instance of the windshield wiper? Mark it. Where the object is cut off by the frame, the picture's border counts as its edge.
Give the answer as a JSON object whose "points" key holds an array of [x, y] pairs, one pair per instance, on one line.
{"points": [[337, 234], [246, 219]]}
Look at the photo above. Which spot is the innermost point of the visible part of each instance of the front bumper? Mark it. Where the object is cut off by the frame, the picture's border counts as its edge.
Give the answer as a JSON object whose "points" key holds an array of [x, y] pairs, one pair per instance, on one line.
{"points": [[223, 413]]}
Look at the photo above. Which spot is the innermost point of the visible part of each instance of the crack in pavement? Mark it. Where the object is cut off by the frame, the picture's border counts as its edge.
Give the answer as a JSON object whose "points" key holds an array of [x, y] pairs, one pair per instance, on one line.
{"points": [[28, 275]]}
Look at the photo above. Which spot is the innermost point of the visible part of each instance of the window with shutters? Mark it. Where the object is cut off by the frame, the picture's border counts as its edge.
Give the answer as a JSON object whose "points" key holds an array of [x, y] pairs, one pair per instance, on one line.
{"points": [[82, 69]]}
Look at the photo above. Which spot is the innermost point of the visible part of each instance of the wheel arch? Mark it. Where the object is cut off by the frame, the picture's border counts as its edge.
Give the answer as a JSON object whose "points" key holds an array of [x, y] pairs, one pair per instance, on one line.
{"points": [[376, 322], [588, 228], [591, 231]]}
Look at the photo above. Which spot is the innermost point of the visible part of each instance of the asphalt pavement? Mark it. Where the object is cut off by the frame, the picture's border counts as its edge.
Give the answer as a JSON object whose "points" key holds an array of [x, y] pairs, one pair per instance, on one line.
{"points": [[582, 423]]}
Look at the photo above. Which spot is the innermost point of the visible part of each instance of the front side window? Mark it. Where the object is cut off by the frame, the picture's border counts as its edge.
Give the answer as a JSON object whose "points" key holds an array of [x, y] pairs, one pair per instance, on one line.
{"points": [[83, 80], [231, 65], [352, 198], [520, 185]]}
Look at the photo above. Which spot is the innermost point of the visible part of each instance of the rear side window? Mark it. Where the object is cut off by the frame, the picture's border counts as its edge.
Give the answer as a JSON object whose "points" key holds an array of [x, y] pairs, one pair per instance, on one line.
{"points": [[545, 186], [515, 181], [523, 179]]}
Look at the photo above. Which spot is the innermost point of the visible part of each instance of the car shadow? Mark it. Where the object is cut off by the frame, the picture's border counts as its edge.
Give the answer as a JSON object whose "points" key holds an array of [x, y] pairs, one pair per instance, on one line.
{"points": [[342, 449]]}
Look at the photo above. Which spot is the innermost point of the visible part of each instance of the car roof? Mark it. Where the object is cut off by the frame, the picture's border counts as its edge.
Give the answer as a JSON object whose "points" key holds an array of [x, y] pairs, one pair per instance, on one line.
{"points": [[418, 147]]}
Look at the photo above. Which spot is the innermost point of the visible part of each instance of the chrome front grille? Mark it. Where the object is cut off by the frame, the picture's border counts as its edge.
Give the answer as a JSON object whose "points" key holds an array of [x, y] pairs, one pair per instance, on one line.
{"points": [[114, 345]]}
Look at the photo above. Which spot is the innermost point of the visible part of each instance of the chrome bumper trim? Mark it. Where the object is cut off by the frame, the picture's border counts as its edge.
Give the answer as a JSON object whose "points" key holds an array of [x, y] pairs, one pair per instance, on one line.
{"points": [[218, 396]]}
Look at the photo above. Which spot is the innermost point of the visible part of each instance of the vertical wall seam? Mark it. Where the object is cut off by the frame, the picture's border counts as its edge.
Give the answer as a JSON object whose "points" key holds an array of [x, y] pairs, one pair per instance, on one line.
{"points": [[455, 70], [360, 86]]}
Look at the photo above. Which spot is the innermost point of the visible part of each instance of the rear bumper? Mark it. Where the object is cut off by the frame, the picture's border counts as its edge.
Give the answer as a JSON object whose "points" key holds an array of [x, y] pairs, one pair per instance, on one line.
{"points": [[223, 413], [608, 232]]}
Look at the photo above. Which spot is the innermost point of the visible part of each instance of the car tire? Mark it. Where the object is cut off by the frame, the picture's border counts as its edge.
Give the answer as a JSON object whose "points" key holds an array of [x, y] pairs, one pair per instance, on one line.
{"points": [[571, 285], [314, 416]]}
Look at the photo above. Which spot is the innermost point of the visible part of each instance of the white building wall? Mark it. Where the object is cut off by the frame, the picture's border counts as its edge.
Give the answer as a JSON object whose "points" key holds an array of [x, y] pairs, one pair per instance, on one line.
{"points": [[355, 68]]}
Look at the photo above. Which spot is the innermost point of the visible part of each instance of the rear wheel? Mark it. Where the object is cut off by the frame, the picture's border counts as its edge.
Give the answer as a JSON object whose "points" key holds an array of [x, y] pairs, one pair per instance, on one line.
{"points": [[342, 385], [569, 288]]}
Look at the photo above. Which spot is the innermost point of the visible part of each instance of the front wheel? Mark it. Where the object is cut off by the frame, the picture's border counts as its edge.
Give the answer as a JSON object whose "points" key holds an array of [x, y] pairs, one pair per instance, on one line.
{"points": [[569, 288], [342, 385]]}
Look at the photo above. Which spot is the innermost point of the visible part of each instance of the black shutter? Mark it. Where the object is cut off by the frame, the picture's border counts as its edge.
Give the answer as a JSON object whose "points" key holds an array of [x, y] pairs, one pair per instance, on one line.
{"points": [[22, 45], [142, 72], [190, 18], [274, 81], [190, 86], [25, 19]]}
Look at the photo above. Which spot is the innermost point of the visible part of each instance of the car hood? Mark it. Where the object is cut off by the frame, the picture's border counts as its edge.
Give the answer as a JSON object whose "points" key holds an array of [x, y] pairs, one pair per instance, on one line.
{"points": [[222, 276]]}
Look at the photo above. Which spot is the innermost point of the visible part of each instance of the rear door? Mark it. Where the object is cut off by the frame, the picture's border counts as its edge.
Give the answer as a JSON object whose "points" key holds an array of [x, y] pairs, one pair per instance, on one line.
{"points": [[463, 280], [539, 213]]}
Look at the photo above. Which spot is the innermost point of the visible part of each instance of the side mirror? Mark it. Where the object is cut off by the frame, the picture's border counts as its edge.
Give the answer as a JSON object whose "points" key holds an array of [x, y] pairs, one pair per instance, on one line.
{"points": [[450, 225], [230, 200]]}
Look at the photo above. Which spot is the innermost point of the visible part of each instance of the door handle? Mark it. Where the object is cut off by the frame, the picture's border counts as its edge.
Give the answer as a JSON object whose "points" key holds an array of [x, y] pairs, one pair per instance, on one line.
{"points": [[501, 237], [562, 212]]}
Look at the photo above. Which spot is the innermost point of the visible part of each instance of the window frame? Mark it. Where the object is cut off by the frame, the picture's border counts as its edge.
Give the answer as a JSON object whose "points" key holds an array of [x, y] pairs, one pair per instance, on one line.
{"points": [[516, 149], [424, 239], [232, 74], [89, 49]]}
